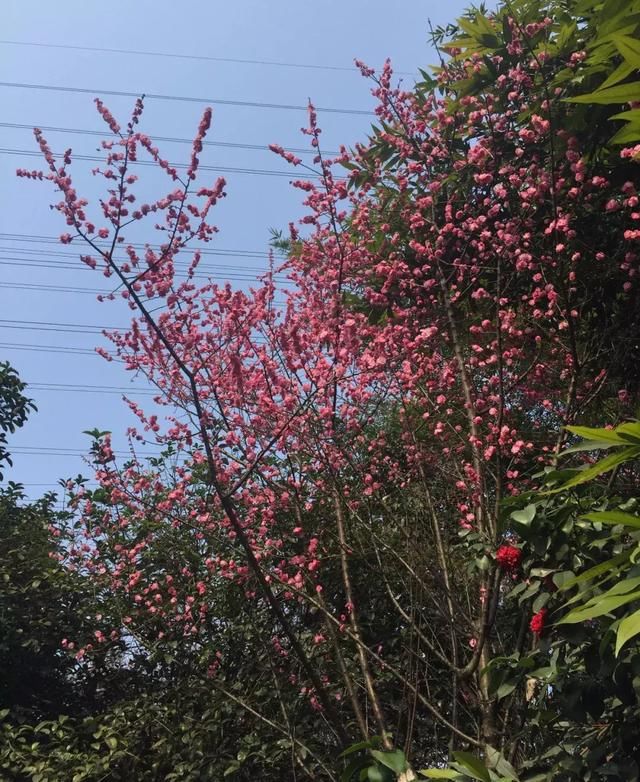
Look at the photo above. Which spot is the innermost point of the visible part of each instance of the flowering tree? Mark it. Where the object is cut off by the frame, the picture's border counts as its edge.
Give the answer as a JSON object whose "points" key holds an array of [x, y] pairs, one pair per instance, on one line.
{"points": [[344, 462]]}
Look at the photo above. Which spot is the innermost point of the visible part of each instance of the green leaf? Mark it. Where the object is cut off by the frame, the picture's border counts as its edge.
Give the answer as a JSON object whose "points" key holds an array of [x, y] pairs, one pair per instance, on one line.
{"points": [[394, 760], [621, 93], [505, 689], [627, 629], [354, 766], [517, 590], [602, 607], [613, 11], [501, 764], [595, 571], [562, 577], [96, 433], [620, 73], [606, 435], [355, 748], [541, 572], [566, 32], [629, 134], [111, 742], [469, 28], [623, 587], [632, 115], [630, 431], [439, 773], [629, 48], [532, 589], [604, 465], [524, 516], [540, 602], [484, 25], [473, 767], [613, 517], [592, 445]]}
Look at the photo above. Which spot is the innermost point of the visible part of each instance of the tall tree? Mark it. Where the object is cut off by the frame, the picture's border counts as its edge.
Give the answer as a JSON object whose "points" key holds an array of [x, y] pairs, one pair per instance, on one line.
{"points": [[462, 295]]}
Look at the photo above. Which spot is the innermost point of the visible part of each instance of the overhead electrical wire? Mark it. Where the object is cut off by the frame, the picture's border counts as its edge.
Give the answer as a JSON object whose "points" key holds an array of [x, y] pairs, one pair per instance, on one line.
{"points": [[50, 349], [236, 272], [226, 272], [45, 325], [65, 448], [73, 328], [26, 286], [181, 98], [98, 389], [45, 451], [250, 272], [202, 57], [70, 328], [70, 349], [51, 239], [60, 255], [28, 483], [179, 166], [68, 265], [29, 286], [163, 139]]}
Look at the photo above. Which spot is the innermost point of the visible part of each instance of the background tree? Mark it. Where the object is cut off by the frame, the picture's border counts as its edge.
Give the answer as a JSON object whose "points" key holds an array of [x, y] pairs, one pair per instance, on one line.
{"points": [[14, 408]]}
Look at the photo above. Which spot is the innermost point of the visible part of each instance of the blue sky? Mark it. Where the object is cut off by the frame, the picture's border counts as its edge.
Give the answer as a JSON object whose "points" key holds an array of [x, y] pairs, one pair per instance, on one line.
{"points": [[322, 34]]}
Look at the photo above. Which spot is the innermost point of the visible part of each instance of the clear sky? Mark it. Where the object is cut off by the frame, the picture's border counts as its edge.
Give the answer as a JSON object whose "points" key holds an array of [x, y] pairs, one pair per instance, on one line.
{"points": [[41, 282]]}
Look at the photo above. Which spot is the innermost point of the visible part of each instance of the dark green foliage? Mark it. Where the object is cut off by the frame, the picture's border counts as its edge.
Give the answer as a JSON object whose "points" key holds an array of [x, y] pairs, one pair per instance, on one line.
{"points": [[40, 604], [14, 408]]}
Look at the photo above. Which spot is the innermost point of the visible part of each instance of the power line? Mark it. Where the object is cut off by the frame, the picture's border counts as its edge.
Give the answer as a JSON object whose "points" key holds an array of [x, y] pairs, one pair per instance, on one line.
{"points": [[67, 265], [75, 254], [203, 57], [205, 271], [43, 451], [181, 98], [181, 166], [59, 259], [89, 389], [45, 448], [26, 263], [51, 485], [59, 256], [52, 288], [82, 453], [164, 139], [49, 239], [71, 328], [45, 325], [22, 483], [66, 289], [50, 349]]}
